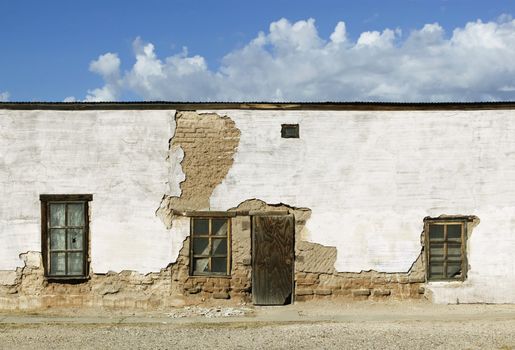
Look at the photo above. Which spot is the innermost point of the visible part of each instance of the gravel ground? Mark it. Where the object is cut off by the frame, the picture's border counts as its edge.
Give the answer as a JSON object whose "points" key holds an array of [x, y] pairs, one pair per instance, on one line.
{"points": [[364, 335], [326, 327]]}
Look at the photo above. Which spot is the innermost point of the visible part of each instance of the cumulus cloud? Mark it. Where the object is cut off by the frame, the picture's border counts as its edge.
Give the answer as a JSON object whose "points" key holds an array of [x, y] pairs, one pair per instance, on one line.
{"points": [[4, 96], [70, 99], [108, 67], [292, 62]]}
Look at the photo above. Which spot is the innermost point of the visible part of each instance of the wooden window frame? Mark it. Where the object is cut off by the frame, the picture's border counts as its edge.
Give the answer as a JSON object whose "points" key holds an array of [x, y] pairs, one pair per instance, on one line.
{"points": [[46, 200], [463, 241], [210, 237]]}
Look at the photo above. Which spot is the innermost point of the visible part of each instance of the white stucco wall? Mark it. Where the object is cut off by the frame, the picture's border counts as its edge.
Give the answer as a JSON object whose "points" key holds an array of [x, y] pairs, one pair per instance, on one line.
{"points": [[370, 178], [118, 156]]}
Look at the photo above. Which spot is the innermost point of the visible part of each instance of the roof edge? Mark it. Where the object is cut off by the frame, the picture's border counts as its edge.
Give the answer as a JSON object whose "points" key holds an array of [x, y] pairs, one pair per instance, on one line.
{"points": [[337, 106]]}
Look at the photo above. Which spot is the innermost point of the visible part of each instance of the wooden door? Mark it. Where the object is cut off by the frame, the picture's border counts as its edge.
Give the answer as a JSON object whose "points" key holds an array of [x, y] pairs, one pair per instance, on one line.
{"points": [[272, 259]]}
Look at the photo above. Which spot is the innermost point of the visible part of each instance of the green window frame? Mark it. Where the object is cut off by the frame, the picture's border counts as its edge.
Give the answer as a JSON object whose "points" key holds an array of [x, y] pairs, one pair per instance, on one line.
{"points": [[65, 236], [446, 253], [210, 246]]}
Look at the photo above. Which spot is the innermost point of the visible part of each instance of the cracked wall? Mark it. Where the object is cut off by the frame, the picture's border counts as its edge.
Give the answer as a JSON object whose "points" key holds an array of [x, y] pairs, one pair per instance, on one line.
{"points": [[208, 142], [371, 177], [316, 277], [315, 274], [358, 183], [138, 258], [126, 289]]}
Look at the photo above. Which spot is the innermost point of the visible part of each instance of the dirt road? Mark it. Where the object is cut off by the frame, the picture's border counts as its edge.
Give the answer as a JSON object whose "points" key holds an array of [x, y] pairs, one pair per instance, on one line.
{"points": [[301, 326]]}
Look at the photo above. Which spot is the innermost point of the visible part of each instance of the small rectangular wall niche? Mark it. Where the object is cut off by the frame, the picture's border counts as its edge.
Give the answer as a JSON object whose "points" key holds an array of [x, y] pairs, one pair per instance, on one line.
{"points": [[290, 131]]}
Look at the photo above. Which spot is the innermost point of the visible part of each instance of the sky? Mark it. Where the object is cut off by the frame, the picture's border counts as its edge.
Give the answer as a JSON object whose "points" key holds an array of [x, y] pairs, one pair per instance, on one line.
{"points": [[280, 50]]}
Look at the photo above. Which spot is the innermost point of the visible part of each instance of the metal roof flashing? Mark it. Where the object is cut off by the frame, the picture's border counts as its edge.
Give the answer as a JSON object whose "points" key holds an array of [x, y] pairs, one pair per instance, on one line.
{"points": [[164, 105]]}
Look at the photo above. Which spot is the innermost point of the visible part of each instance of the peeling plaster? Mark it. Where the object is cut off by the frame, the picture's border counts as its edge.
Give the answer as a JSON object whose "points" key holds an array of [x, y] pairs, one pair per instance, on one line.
{"points": [[370, 178], [179, 232], [174, 159], [208, 143], [8, 278]]}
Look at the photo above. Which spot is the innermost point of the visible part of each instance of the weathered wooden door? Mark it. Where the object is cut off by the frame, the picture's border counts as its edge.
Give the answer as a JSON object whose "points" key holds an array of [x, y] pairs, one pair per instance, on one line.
{"points": [[272, 259]]}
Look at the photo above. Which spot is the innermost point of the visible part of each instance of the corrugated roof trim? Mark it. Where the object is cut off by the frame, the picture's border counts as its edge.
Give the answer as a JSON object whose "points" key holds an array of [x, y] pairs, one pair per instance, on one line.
{"points": [[326, 105]]}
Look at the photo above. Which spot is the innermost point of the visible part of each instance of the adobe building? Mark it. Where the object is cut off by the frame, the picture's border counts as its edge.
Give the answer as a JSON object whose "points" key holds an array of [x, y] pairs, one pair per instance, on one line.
{"points": [[154, 205]]}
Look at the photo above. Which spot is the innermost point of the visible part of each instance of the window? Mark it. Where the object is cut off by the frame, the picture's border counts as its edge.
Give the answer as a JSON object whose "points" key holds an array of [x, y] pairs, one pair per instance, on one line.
{"points": [[210, 246], [445, 249], [290, 131], [64, 227]]}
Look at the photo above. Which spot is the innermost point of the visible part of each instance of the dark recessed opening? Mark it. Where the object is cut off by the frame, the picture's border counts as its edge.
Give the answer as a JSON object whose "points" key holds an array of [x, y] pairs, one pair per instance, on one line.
{"points": [[290, 131]]}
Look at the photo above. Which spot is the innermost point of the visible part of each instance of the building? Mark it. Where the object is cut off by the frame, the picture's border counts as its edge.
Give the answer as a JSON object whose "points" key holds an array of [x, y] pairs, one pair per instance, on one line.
{"points": [[151, 205]]}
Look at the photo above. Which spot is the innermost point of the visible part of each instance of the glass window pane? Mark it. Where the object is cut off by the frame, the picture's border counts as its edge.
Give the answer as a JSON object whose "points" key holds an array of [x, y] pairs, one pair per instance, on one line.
{"points": [[57, 239], [436, 270], [201, 265], [200, 226], [219, 265], [436, 261], [76, 214], [435, 232], [75, 264], [453, 250], [219, 227], [453, 231], [453, 269], [57, 263], [57, 215], [219, 246], [75, 238], [436, 249], [200, 246]]}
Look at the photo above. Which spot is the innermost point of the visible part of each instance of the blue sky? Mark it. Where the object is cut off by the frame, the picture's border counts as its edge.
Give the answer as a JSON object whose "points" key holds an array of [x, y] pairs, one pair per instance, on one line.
{"points": [[48, 48]]}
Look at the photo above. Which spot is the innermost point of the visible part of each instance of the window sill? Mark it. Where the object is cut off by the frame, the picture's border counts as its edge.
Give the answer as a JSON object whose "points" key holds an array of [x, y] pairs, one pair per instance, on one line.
{"points": [[67, 279], [210, 276], [437, 283]]}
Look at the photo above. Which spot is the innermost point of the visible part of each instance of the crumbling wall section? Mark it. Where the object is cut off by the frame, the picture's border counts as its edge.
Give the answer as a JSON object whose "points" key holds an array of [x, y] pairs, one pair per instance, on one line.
{"points": [[317, 279], [200, 154], [316, 276], [236, 286], [204, 146], [209, 143], [126, 289]]}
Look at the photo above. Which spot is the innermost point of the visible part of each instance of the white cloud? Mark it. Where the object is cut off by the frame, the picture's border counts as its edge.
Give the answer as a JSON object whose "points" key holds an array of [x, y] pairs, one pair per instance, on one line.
{"points": [[106, 93], [4, 96], [293, 63], [108, 67], [70, 99], [340, 33], [376, 39]]}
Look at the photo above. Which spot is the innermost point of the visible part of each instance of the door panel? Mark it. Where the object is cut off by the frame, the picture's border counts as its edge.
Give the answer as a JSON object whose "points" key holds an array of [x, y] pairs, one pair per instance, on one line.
{"points": [[272, 259]]}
